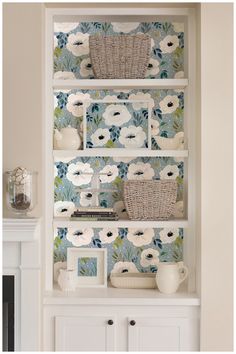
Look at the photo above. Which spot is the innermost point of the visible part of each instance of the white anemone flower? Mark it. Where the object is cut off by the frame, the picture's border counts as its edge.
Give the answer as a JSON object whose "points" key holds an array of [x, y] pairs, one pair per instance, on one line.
{"points": [[111, 172], [122, 90], [124, 27], [169, 44], [108, 235], [149, 257], [140, 171], [153, 67], [64, 75], [155, 127], [100, 137], [178, 211], [169, 172], [116, 114], [78, 44], [132, 137], [140, 237], [65, 27], [86, 199], [76, 102], [120, 209], [124, 267], [79, 173], [178, 26], [169, 104], [169, 235], [86, 68], [139, 97], [79, 237], [55, 171], [179, 75], [63, 208], [110, 98], [55, 42]]}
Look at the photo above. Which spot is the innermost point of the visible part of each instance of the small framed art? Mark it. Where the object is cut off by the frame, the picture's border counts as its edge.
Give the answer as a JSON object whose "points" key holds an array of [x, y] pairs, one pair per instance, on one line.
{"points": [[90, 265], [117, 124]]}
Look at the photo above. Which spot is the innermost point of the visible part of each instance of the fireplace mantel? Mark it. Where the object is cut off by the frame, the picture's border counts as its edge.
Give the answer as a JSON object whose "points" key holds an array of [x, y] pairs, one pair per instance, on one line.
{"points": [[21, 258], [20, 230]]}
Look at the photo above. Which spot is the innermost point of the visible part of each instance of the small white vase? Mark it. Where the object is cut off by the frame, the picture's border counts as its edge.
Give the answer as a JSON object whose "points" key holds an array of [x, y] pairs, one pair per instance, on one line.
{"points": [[67, 279], [169, 276]]}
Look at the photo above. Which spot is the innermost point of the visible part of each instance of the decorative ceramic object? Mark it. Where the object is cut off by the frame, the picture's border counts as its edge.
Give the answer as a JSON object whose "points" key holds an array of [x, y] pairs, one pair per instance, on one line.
{"points": [[133, 280], [56, 269], [21, 190], [176, 143], [170, 275], [67, 139], [67, 279]]}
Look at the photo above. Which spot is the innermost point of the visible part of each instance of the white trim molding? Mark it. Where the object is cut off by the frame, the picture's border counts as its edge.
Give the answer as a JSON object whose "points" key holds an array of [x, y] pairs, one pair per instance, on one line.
{"points": [[20, 230], [21, 258]]}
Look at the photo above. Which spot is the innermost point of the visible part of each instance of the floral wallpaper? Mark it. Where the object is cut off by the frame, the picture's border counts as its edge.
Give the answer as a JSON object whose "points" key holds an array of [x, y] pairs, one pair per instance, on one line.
{"points": [[129, 250], [117, 125], [71, 47], [71, 173], [109, 128]]}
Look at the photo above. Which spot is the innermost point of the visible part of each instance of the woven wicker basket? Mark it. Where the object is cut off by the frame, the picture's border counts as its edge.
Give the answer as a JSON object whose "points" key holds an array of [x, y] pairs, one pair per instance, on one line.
{"points": [[150, 200], [120, 57]]}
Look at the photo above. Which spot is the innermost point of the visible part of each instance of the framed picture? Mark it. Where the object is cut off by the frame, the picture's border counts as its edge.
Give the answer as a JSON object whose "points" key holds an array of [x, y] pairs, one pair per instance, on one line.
{"points": [[90, 265], [117, 124]]}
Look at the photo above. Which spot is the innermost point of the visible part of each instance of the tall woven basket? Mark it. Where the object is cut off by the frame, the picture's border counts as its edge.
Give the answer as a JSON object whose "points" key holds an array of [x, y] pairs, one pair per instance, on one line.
{"points": [[150, 200], [120, 56]]}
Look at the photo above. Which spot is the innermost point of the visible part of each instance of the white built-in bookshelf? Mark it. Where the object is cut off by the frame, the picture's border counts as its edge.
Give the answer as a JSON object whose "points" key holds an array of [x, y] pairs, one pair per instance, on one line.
{"points": [[189, 152]]}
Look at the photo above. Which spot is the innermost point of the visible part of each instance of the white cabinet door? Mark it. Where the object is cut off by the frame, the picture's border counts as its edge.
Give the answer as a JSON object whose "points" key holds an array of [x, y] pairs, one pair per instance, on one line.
{"points": [[85, 333], [159, 334]]}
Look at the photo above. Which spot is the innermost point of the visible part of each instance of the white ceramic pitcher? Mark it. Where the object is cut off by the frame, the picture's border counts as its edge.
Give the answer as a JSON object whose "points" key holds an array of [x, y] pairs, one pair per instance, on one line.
{"points": [[67, 279], [67, 139], [170, 275]]}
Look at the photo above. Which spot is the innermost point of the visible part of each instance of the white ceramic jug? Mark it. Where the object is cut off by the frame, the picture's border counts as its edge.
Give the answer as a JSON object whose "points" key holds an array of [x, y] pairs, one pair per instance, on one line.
{"points": [[175, 143], [67, 279], [170, 275], [67, 139]]}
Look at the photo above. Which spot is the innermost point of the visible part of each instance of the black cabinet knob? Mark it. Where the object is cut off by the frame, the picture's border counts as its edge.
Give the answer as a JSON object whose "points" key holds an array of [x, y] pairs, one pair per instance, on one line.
{"points": [[110, 322], [132, 323]]}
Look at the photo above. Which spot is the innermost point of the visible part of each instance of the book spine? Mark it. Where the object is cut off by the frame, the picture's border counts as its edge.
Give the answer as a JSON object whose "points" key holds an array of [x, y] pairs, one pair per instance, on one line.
{"points": [[92, 213], [94, 219], [107, 210]]}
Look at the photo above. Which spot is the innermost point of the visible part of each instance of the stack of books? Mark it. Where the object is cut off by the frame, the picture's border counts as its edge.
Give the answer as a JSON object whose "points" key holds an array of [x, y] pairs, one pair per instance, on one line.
{"points": [[94, 214]]}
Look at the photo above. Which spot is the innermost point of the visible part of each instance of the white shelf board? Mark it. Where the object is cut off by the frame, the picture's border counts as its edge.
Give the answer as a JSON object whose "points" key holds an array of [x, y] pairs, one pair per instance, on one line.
{"points": [[121, 84], [115, 296], [177, 223], [120, 153]]}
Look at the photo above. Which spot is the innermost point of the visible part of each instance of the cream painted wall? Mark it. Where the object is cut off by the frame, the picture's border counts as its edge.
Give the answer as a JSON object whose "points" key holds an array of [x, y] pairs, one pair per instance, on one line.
{"points": [[22, 90], [217, 177]]}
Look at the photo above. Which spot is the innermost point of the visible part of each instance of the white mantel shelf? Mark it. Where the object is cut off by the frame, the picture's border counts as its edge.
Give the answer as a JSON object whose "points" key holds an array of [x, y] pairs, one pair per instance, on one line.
{"points": [[20, 229], [114, 296]]}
